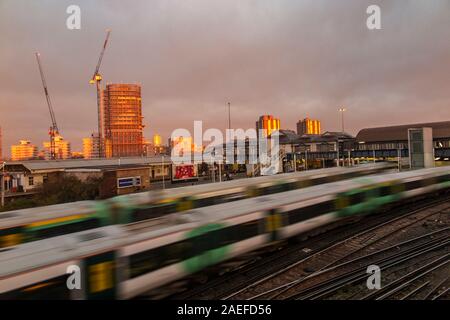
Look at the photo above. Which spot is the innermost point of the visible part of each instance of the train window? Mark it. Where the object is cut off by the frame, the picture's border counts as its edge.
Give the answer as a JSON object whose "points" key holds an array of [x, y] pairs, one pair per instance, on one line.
{"points": [[224, 236], [229, 197], [140, 214], [303, 184], [291, 186], [413, 185], [444, 178], [305, 213], [48, 232], [150, 260], [429, 181], [247, 230], [384, 191], [156, 258], [233, 234], [320, 180], [338, 177], [204, 202], [356, 198], [349, 175], [146, 261], [51, 289], [276, 188], [176, 252], [203, 242]]}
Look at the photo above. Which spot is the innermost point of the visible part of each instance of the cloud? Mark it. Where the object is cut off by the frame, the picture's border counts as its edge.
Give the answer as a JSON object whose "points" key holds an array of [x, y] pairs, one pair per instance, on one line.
{"points": [[288, 58]]}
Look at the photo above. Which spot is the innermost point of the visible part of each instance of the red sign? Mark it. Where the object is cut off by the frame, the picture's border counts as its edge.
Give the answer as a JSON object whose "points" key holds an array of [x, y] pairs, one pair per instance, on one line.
{"points": [[183, 172]]}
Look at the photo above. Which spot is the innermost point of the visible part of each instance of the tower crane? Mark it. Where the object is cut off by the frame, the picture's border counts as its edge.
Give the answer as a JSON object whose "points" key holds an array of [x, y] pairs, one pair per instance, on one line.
{"points": [[53, 131], [97, 78]]}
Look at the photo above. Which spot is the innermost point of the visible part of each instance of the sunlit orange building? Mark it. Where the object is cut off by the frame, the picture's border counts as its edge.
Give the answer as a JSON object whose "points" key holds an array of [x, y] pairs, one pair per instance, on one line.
{"points": [[123, 120], [23, 151], [62, 148], [269, 123], [308, 126], [91, 147], [157, 140]]}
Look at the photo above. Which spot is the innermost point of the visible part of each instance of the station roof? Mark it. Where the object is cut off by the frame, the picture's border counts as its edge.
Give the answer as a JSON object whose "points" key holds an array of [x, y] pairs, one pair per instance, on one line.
{"points": [[290, 137], [400, 133], [55, 165]]}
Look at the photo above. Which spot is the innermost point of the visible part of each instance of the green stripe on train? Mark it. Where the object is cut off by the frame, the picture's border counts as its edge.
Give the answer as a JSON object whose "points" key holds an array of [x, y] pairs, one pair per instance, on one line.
{"points": [[368, 206], [208, 257]]}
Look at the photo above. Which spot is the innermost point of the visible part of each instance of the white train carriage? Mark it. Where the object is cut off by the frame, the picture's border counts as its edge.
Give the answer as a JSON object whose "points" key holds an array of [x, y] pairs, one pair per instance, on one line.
{"points": [[39, 223]]}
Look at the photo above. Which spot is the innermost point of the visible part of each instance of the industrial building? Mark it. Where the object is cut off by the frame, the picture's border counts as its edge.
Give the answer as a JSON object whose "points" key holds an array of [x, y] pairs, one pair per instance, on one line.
{"points": [[122, 116]]}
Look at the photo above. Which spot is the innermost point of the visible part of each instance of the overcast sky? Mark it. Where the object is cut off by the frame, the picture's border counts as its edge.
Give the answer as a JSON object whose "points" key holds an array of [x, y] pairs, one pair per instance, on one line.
{"points": [[289, 58]]}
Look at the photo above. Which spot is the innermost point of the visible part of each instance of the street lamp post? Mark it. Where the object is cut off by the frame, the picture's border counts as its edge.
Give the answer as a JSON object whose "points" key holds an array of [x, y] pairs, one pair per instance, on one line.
{"points": [[3, 184], [229, 115], [228, 137], [337, 155], [163, 173], [306, 159], [295, 161], [342, 110]]}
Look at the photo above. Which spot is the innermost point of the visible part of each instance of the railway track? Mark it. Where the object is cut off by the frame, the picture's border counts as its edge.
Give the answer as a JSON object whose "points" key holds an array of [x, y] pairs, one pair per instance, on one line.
{"points": [[331, 280], [244, 281], [352, 251]]}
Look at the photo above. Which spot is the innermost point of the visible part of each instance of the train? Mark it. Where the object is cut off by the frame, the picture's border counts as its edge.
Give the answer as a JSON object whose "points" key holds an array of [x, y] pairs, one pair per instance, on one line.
{"points": [[34, 224], [119, 262]]}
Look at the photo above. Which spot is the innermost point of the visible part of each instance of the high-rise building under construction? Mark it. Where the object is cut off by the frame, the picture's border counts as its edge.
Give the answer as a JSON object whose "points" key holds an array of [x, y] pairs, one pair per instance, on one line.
{"points": [[122, 118]]}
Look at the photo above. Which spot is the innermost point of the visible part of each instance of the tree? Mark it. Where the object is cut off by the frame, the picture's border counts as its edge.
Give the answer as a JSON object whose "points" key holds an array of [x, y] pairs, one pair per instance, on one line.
{"points": [[65, 188]]}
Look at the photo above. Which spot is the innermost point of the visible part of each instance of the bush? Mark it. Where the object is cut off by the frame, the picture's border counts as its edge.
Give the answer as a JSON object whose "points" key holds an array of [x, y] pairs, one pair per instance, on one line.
{"points": [[69, 189]]}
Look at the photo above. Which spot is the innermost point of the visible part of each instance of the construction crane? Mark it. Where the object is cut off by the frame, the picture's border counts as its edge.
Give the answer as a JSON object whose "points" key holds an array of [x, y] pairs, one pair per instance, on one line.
{"points": [[97, 78], [53, 131]]}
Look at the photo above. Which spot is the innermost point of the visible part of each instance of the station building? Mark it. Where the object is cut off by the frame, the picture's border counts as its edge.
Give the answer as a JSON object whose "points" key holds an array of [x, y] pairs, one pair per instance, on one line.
{"points": [[370, 144], [119, 176], [388, 140]]}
